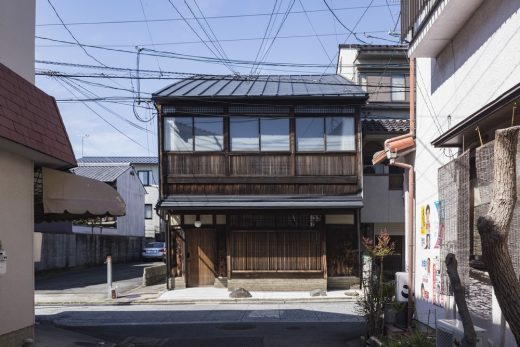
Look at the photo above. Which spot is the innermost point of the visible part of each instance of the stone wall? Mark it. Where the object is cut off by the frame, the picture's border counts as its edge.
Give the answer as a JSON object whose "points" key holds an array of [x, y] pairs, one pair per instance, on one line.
{"points": [[61, 251]]}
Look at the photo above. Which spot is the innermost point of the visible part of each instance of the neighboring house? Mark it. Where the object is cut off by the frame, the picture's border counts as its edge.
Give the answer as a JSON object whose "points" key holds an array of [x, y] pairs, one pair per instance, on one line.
{"points": [[124, 180], [33, 146], [147, 169], [383, 72], [468, 81], [261, 180]]}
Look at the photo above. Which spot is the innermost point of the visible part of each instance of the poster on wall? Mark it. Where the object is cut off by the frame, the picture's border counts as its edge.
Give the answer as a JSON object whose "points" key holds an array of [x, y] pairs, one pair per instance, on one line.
{"points": [[431, 234]]}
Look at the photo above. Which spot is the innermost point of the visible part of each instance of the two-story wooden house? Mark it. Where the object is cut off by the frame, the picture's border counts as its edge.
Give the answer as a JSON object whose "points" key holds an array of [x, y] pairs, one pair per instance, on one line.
{"points": [[261, 180]]}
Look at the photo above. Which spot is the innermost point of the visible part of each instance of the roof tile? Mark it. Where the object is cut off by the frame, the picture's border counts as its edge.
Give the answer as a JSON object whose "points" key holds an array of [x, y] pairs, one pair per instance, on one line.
{"points": [[25, 112], [385, 125]]}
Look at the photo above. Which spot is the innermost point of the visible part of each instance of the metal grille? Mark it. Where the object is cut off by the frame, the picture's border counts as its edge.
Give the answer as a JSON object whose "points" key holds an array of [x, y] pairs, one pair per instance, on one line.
{"points": [[454, 196], [200, 109], [275, 221], [483, 195], [258, 109], [324, 109]]}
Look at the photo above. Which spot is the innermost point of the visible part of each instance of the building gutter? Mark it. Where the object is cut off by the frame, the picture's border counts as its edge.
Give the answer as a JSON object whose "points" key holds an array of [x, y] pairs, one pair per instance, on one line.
{"points": [[393, 149]]}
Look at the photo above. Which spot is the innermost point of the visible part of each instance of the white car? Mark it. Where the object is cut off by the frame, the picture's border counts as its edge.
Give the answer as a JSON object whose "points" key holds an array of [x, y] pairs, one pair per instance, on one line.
{"points": [[154, 250]]}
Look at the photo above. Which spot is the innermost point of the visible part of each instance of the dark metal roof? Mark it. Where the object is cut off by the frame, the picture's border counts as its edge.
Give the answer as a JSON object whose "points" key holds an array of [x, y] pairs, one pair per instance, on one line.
{"points": [[385, 125], [101, 173], [125, 160], [265, 86], [191, 202]]}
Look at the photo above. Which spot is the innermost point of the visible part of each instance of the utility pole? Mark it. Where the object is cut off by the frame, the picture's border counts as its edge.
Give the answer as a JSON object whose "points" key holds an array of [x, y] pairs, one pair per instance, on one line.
{"points": [[82, 142]]}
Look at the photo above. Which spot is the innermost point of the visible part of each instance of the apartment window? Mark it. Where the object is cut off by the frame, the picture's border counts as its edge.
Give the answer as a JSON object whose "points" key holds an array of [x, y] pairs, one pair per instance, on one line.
{"points": [[186, 134], [253, 134], [398, 88], [144, 176], [317, 134], [148, 211]]}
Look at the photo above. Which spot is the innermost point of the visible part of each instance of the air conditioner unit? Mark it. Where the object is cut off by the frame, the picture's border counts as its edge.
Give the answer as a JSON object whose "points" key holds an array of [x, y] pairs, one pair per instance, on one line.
{"points": [[450, 332]]}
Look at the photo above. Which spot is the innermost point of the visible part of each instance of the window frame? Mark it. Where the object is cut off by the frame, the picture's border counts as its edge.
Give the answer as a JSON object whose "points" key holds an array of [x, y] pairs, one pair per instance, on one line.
{"points": [[325, 151], [150, 206], [258, 119], [402, 89], [221, 117], [148, 175]]}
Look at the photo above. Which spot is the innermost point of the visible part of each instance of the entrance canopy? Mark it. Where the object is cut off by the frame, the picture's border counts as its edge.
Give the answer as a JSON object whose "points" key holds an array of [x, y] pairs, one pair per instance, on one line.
{"points": [[191, 202], [65, 196]]}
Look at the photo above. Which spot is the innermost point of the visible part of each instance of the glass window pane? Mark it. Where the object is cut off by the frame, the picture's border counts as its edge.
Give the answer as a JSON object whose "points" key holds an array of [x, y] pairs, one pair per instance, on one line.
{"points": [[244, 133], [209, 133], [148, 211], [341, 135], [274, 134], [178, 134], [309, 134], [398, 92], [144, 176]]}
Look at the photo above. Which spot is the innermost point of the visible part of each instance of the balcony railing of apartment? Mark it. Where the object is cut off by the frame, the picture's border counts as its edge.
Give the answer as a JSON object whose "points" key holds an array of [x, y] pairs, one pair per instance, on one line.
{"points": [[413, 14]]}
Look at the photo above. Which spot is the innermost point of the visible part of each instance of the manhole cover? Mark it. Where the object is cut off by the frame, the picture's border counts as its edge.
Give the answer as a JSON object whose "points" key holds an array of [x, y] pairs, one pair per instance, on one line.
{"points": [[236, 327]]}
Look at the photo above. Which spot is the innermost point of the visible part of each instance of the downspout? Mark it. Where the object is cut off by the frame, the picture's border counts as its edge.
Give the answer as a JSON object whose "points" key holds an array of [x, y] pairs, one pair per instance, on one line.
{"points": [[387, 153], [411, 193], [410, 245]]}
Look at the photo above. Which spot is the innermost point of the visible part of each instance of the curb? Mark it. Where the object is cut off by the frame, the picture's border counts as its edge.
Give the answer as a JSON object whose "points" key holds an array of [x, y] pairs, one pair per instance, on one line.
{"points": [[193, 302]]}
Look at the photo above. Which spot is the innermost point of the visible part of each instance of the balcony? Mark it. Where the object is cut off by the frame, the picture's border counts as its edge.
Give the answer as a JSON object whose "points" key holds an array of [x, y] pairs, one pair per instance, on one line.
{"points": [[429, 25]]}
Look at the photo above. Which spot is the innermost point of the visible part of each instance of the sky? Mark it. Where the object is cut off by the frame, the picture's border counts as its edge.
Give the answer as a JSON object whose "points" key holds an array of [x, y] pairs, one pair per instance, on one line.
{"points": [[87, 54]]}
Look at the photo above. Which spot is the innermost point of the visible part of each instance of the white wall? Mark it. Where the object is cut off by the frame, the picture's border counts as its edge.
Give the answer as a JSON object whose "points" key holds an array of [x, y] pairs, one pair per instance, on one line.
{"points": [[482, 62], [132, 192], [16, 235], [152, 197], [17, 18]]}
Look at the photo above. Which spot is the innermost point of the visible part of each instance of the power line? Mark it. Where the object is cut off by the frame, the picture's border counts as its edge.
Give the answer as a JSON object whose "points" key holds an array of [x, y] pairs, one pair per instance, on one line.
{"points": [[265, 34], [351, 31], [221, 40], [72, 35], [200, 38], [245, 15], [149, 32], [104, 119], [341, 23], [277, 32], [313, 29]]}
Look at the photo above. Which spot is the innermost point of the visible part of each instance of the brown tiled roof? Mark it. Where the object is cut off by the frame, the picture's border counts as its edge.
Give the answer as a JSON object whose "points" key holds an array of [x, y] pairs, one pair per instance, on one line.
{"points": [[31, 118], [385, 125]]}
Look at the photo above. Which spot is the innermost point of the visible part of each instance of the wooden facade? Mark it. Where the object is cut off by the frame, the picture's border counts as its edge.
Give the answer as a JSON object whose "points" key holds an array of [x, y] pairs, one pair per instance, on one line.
{"points": [[251, 243]]}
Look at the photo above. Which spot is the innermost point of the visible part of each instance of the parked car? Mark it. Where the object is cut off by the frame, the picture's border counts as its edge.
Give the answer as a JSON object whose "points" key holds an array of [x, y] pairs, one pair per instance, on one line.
{"points": [[154, 251]]}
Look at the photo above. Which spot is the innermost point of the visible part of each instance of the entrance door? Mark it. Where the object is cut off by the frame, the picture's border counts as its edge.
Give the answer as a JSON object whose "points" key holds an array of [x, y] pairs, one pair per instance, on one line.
{"points": [[201, 257]]}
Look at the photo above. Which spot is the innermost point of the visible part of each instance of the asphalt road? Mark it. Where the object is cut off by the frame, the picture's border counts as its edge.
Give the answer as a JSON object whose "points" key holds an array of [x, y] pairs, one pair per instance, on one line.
{"points": [[254, 334], [91, 280], [287, 324]]}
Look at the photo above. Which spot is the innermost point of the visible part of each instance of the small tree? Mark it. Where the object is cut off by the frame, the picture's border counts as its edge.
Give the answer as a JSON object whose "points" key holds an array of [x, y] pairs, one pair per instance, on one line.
{"points": [[371, 305]]}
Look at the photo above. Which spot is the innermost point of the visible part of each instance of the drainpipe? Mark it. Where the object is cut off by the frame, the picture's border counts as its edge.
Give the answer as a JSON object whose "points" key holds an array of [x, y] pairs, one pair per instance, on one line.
{"points": [[411, 194], [410, 244]]}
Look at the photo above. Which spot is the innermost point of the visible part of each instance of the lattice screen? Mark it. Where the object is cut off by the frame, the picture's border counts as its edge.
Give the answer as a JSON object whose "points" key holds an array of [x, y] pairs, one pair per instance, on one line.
{"points": [[454, 196]]}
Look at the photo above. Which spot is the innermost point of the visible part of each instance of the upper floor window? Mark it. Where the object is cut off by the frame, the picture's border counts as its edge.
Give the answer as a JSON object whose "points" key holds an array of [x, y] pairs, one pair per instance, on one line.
{"points": [[148, 211], [316, 134], [145, 177], [188, 134], [259, 134], [398, 88]]}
